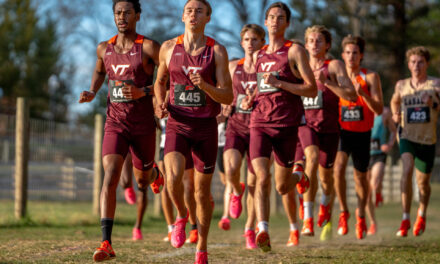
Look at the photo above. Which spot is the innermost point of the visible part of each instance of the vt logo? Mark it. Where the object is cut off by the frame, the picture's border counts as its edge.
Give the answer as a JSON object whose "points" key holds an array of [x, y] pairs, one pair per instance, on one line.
{"points": [[191, 69], [120, 68], [248, 85], [267, 65]]}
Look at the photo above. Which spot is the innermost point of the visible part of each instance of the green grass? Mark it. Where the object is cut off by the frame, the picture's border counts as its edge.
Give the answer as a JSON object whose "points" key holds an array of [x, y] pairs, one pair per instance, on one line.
{"points": [[68, 233]]}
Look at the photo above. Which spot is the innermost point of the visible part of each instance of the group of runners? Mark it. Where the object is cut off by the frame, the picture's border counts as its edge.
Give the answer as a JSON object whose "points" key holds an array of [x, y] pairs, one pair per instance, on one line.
{"points": [[287, 104]]}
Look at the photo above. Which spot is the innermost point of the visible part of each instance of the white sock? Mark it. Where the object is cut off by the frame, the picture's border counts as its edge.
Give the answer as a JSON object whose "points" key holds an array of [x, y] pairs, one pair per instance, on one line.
{"points": [[263, 226], [170, 228], [421, 213], [293, 227], [237, 195], [325, 199], [308, 210], [405, 216]]}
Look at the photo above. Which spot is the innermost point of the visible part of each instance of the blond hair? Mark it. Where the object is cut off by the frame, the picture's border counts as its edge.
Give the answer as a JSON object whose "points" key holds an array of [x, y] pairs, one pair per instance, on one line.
{"points": [[254, 28], [319, 29]]}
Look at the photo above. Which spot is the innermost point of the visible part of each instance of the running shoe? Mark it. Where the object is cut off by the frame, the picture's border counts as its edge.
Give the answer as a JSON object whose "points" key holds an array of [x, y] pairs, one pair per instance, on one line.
{"points": [[104, 252], [419, 226], [403, 229], [263, 241], [301, 207], [201, 258], [130, 195], [379, 199], [293, 238], [224, 224], [307, 229], [343, 223], [235, 206], [193, 237], [361, 227], [304, 183], [372, 230], [157, 184], [167, 238], [137, 234], [250, 239], [178, 235], [327, 231], [323, 215]]}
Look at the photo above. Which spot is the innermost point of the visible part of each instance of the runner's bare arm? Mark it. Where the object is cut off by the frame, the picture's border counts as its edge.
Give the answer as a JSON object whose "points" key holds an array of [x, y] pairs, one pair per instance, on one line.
{"points": [[374, 101], [222, 93], [98, 76], [227, 108], [395, 103], [297, 57], [388, 120], [340, 83]]}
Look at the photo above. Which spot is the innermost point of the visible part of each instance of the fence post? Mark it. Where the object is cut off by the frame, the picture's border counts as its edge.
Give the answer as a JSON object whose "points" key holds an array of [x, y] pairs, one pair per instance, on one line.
{"points": [[97, 162], [21, 157]]}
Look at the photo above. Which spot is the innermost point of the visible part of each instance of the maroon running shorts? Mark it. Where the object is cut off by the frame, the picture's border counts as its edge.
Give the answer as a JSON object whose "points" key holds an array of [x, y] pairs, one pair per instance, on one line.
{"points": [[238, 140], [326, 142]]}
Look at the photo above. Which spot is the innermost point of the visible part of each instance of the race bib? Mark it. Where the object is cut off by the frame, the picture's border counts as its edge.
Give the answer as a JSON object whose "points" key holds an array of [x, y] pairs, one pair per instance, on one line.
{"points": [[352, 114], [189, 95], [266, 88], [416, 115], [238, 108], [115, 91], [375, 144], [313, 102]]}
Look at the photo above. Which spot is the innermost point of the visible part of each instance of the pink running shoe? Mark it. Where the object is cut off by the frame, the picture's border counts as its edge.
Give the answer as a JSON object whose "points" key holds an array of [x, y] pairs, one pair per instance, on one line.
{"points": [[137, 234], [224, 224], [130, 195], [250, 239], [178, 235], [235, 206], [201, 258]]}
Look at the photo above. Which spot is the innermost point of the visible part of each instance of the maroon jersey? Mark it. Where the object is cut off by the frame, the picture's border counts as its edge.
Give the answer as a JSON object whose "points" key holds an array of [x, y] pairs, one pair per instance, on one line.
{"points": [[322, 111], [135, 116], [186, 99], [275, 107], [241, 82]]}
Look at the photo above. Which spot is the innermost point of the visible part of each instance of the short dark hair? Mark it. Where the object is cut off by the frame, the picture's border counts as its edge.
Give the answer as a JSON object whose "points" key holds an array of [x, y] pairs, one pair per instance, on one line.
{"points": [[355, 40], [206, 3], [136, 5], [282, 6]]}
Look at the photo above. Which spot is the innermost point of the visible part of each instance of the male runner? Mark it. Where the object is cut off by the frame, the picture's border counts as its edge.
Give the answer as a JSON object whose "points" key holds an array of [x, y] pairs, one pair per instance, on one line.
{"points": [[244, 83], [128, 59], [356, 120], [283, 75], [320, 135], [379, 148], [415, 106], [199, 82]]}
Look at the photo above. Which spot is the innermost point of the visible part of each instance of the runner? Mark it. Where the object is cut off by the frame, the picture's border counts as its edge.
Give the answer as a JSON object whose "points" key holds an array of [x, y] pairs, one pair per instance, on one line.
{"points": [[379, 148], [283, 75], [320, 135], [356, 120], [415, 106], [128, 59], [244, 83], [198, 70]]}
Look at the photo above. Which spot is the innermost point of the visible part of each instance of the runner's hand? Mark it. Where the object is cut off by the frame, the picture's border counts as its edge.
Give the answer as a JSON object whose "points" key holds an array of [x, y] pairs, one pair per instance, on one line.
{"points": [[397, 117], [385, 148], [226, 110], [270, 79], [161, 110], [359, 90], [197, 80], [86, 96], [132, 92]]}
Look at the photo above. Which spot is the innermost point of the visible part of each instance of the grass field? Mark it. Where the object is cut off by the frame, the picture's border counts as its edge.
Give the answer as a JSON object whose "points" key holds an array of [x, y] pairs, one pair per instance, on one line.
{"points": [[67, 233]]}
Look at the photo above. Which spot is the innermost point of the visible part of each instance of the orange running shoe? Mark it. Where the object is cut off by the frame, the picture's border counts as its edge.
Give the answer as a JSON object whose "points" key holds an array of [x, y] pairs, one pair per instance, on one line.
{"points": [[130, 195], [361, 227], [157, 185], [263, 241], [104, 252], [304, 183], [379, 199], [419, 226], [235, 206], [301, 207], [372, 230], [193, 237], [403, 229], [324, 215], [293, 238], [343, 223], [224, 224], [201, 258], [307, 229]]}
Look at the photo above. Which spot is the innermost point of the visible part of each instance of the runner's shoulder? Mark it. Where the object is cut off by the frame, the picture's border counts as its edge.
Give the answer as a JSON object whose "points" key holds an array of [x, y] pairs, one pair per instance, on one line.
{"points": [[100, 50], [169, 44], [150, 43]]}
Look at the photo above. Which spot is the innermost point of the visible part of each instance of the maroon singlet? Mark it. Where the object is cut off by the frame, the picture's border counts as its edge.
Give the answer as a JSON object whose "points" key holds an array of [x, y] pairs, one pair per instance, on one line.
{"points": [[275, 107], [322, 111], [136, 116], [187, 100]]}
